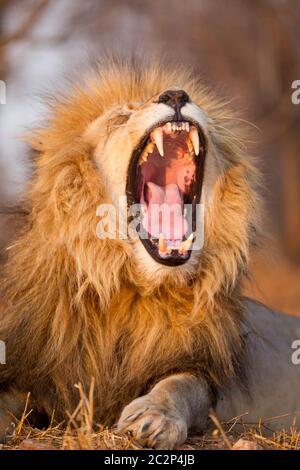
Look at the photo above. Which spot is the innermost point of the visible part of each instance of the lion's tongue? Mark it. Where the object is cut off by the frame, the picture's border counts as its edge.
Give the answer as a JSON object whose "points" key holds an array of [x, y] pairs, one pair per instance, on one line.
{"points": [[164, 214]]}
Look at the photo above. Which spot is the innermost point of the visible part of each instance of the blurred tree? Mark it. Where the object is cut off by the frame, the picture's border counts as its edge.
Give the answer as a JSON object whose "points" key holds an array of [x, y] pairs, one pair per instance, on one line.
{"points": [[7, 224], [2, 77]]}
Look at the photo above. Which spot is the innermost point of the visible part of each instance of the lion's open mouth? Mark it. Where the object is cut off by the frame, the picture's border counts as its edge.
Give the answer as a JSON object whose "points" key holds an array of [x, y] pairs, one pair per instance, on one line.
{"points": [[165, 178]]}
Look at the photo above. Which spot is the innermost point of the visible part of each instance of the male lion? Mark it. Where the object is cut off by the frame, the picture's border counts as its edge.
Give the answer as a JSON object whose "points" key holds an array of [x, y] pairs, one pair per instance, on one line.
{"points": [[160, 327]]}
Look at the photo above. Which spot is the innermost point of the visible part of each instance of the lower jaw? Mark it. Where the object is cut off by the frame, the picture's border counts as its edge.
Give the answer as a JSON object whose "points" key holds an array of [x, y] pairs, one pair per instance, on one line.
{"points": [[172, 260]]}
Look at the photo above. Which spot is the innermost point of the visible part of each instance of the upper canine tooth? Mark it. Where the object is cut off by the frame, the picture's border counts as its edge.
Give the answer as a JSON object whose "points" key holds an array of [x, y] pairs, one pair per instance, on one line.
{"points": [[195, 139], [187, 127], [162, 246], [159, 140], [169, 126]]}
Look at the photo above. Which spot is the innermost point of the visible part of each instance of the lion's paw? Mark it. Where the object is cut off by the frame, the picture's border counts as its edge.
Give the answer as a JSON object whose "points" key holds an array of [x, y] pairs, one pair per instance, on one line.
{"points": [[153, 423]]}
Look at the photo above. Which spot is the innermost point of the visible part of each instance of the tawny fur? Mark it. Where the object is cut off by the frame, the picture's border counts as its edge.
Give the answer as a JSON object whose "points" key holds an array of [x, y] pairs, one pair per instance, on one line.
{"points": [[78, 308]]}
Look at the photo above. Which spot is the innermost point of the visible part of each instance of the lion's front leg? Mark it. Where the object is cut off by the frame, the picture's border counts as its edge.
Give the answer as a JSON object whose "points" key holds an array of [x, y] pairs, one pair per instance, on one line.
{"points": [[161, 419]]}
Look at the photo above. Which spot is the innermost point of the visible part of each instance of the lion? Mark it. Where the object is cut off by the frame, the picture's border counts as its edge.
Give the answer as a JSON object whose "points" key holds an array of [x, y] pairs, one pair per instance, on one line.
{"points": [[155, 315]]}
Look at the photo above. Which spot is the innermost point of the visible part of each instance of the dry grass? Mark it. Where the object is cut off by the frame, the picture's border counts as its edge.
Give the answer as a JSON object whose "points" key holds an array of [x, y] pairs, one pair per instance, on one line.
{"points": [[81, 433]]}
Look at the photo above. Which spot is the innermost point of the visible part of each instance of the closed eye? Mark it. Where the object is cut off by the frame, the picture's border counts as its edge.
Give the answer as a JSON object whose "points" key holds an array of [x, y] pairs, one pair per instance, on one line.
{"points": [[118, 121]]}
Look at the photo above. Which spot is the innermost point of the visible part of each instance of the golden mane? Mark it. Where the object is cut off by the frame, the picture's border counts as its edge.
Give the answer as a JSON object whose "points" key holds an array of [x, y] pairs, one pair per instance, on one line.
{"points": [[76, 309]]}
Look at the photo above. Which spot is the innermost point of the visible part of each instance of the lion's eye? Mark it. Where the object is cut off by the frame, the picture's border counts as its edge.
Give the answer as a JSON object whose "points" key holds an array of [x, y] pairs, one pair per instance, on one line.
{"points": [[134, 106], [118, 121]]}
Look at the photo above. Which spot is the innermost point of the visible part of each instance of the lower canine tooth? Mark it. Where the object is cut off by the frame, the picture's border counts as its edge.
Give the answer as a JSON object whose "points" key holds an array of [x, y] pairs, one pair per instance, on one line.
{"points": [[162, 246], [190, 146], [186, 245], [148, 149], [194, 136]]}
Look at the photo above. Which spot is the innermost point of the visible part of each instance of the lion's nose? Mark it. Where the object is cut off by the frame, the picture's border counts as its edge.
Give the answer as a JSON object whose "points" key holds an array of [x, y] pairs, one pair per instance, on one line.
{"points": [[176, 99]]}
